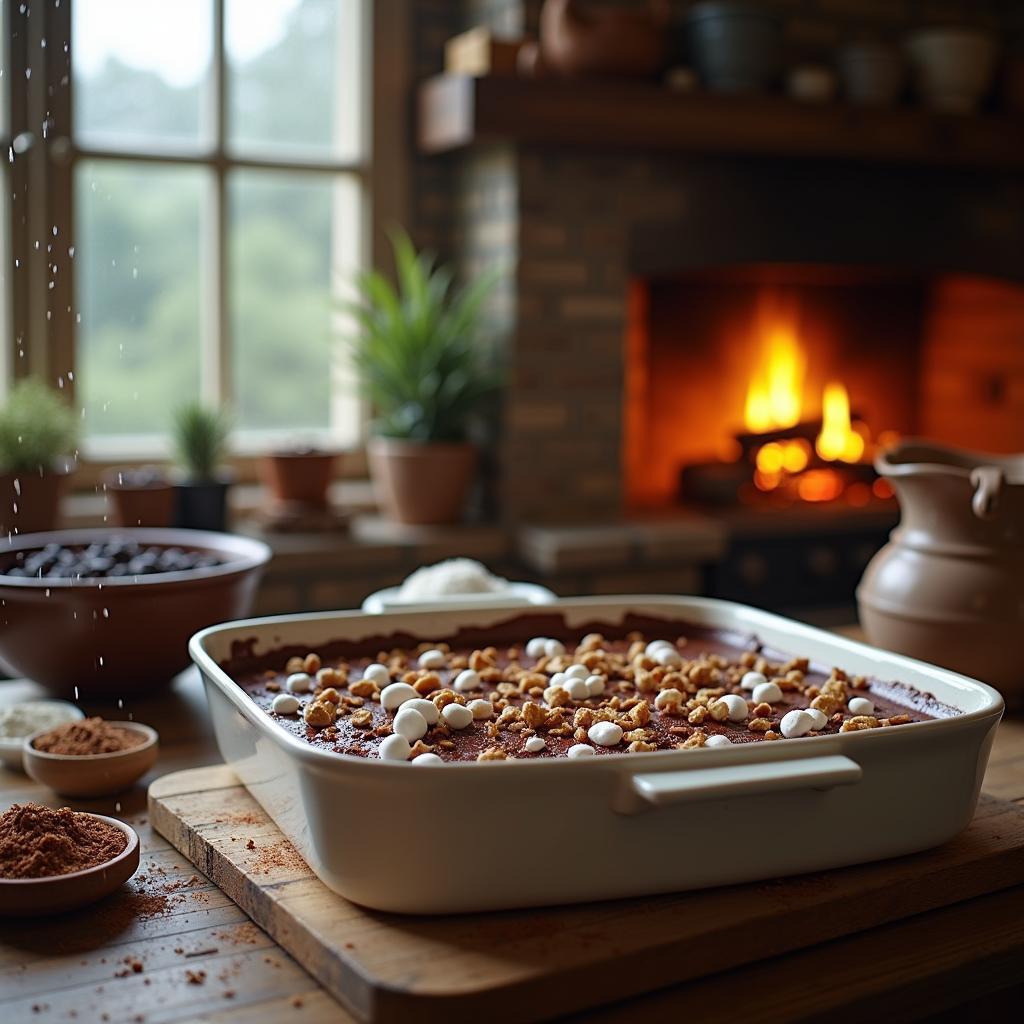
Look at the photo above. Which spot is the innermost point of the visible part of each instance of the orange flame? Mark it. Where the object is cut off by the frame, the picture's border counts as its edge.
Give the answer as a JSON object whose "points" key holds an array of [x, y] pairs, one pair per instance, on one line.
{"points": [[776, 387], [838, 441]]}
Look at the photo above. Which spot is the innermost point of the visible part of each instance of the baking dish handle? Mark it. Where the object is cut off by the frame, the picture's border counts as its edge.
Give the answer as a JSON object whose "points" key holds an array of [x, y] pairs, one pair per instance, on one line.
{"points": [[656, 789]]}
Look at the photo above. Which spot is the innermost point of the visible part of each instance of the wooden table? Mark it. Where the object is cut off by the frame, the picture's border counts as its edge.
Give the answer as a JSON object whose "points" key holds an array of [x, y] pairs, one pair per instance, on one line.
{"points": [[200, 959]]}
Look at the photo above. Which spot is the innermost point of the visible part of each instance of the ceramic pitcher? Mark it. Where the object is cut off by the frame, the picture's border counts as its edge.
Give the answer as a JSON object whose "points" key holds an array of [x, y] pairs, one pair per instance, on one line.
{"points": [[949, 586]]}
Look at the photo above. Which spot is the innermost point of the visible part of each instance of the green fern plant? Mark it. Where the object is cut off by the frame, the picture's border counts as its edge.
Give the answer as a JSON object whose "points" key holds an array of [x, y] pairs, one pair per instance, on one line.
{"points": [[200, 439], [37, 427], [416, 350]]}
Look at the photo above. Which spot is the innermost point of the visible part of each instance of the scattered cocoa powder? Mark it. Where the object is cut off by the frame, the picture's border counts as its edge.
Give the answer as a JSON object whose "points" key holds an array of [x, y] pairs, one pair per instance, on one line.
{"points": [[89, 736], [39, 842]]}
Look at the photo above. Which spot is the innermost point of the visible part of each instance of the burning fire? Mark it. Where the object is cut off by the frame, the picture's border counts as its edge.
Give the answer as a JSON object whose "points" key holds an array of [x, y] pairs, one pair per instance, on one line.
{"points": [[838, 441], [774, 404], [774, 394]]}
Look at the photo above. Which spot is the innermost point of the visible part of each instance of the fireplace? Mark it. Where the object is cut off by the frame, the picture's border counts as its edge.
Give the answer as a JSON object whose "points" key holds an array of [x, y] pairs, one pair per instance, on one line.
{"points": [[773, 385]]}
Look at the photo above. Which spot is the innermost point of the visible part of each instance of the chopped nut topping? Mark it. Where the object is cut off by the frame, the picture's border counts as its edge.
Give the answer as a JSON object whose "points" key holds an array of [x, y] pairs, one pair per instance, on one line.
{"points": [[362, 719], [860, 722], [364, 688], [492, 754]]}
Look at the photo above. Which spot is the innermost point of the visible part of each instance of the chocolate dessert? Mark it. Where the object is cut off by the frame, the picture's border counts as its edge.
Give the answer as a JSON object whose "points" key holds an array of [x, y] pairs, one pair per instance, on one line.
{"points": [[644, 686]]}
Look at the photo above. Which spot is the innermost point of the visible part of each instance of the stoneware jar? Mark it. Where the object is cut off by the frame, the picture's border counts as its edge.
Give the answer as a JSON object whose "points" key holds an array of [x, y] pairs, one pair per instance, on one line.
{"points": [[948, 588]]}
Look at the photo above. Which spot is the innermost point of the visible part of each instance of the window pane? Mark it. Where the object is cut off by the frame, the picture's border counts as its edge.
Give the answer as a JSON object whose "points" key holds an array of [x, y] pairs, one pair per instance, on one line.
{"points": [[293, 237], [139, 266], [294, 78], [141, 73], [6, 346]]}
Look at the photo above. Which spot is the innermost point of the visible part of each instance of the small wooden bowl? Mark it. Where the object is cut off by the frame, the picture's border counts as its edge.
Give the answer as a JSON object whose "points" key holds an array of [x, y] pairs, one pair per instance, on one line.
{"points": [[92, 774], [23, 897]]}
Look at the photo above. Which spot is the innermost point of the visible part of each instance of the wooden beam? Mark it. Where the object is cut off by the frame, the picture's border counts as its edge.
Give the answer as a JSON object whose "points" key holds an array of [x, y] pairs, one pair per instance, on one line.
{"points": [[457, 111]]}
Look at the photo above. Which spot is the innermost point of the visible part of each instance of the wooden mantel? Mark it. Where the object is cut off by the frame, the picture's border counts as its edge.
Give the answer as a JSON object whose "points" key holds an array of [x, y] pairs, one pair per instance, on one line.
{"points": [[457, 111]]}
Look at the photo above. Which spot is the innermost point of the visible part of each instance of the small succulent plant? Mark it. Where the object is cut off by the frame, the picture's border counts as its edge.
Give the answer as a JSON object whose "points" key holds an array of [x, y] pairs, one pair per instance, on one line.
{"points": [[200, 439]]}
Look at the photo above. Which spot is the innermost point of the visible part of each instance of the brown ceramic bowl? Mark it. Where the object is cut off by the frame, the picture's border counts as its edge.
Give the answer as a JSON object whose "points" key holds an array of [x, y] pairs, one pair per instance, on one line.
{"points": [[30, 897], [88, 775], [121, 636]]}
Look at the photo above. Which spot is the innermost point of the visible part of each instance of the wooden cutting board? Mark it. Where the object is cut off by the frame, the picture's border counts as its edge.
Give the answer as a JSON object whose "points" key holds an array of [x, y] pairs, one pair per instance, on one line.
{"points": [[530, 965]]}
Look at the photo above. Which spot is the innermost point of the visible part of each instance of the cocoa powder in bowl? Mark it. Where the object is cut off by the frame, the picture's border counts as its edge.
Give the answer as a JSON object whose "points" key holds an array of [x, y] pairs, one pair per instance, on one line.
{"points": [[89, 736], [39, 842]]}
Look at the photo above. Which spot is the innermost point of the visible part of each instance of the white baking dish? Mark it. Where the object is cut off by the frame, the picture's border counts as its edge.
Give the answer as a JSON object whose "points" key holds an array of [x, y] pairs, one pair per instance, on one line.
{"points": [[479, 836]]}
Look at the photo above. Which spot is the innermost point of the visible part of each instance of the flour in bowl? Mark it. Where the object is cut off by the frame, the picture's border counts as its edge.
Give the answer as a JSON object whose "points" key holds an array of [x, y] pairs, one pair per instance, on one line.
{"points": [[454, 576]]}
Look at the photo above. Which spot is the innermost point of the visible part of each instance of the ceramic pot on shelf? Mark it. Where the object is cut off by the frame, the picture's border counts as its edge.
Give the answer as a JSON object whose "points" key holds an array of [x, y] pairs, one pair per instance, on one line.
{"points": [[953, 67], [299, 477], [577, 39], [949, 586], [421, 482], [737, 46], [873, 73]]}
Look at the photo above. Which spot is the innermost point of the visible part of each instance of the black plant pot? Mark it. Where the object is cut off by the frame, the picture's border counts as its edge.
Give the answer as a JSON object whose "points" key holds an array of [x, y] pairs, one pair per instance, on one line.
{"points": [[202, 505]]}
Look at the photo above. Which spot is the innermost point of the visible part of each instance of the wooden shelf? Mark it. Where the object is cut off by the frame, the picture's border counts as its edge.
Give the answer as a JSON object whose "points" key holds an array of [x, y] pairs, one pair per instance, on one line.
{"points": [[457, 111]]}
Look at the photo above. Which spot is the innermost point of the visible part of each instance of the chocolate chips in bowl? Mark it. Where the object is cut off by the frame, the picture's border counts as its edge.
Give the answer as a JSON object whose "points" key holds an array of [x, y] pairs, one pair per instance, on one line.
{"points": [[123, 603], [56, 860]]}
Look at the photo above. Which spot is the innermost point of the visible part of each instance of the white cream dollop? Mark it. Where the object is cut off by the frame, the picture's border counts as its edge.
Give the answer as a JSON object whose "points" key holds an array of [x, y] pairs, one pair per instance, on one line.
{"points": [[410, 724], [285, 704], [796, 723], [605, 734], [576, 688], [427, 708], [534, 745], [577, 672], [718, 740], [394, 748], [861, 706], [819, 718], [535, 647], [736, 705], [394, 696], [377, 673], [467, 680], [751, 680], [481, 709], [458, 716], [767, 693], [553, 648], [595, 686], [432, 659], [580, 750], [298, 682], [427, 758]]}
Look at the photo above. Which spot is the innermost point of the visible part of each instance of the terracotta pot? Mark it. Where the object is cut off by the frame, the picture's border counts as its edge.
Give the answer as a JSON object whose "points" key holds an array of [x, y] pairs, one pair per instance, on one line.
{"points": [[140, 499], [949, 586], [419, 482], [301, 478], [29, 502], [579, 40]]}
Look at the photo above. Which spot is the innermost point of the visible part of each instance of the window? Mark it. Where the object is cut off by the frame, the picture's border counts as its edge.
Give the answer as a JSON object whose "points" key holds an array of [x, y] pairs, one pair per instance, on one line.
{"points": [[207, 195]]}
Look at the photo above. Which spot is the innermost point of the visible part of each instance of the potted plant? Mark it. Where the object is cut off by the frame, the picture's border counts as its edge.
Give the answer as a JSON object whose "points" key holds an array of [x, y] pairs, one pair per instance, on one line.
{"points": [[200, 443], [38, 433], [298, 476], [143, 496], [417, 357]]}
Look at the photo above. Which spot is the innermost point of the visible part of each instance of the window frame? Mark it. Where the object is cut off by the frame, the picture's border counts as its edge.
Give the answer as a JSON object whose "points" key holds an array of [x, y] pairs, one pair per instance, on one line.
{"points": [[45, 315]]}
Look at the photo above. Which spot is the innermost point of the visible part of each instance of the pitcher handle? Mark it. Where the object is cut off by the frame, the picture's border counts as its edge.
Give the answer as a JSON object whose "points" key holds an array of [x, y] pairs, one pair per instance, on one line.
{"points": [[988, 482]]}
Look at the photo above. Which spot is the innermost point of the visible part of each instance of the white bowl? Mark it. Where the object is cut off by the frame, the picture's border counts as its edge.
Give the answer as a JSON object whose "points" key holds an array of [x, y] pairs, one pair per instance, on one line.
{"points": [[516, 595], [11, 747], [953, 67]]}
